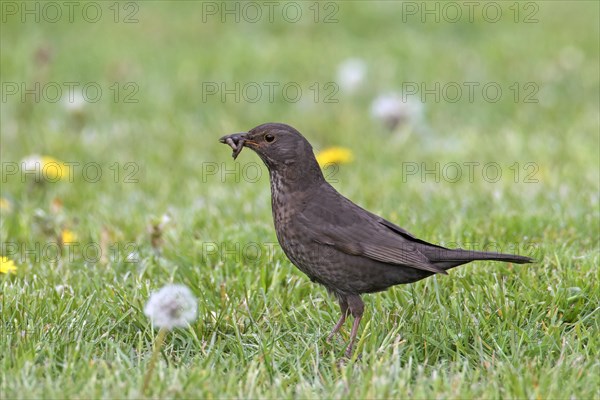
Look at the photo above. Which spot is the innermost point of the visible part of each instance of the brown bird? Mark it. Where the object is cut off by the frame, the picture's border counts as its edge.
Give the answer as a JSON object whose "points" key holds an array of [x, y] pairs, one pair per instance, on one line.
{"points": [[336, 243]]}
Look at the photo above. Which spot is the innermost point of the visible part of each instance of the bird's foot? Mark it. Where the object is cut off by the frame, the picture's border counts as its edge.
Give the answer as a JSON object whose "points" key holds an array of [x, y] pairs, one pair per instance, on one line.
{"points": [[348, 352], [345, 360], [330, 337]]}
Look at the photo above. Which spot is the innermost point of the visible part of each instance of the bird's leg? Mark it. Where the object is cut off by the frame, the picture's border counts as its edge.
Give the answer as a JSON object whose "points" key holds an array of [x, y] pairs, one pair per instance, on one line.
{"points": [[357, 308], [340, 323]]}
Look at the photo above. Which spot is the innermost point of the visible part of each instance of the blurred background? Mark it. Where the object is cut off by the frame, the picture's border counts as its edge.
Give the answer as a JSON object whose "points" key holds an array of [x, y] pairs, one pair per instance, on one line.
{"points": [[449, 113]]}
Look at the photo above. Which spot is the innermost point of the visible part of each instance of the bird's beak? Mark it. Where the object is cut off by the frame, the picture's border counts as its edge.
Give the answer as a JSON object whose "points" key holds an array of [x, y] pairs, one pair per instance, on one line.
{"points": [[235, 141]]}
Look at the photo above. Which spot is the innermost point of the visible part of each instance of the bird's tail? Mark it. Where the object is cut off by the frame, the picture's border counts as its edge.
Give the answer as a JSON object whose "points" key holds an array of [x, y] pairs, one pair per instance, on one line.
{"points": [[448, 258]]}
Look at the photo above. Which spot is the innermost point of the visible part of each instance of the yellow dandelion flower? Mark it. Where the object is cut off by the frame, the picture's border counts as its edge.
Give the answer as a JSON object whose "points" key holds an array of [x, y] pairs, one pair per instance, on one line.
{"points": [[7, 266], [45, 168], [5, 204], [68, 236], [334, 155], [53, 169]]}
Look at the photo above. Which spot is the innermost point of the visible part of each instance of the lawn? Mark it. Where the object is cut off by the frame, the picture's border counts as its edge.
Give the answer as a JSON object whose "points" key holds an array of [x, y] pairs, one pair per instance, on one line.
{"points": [[499, 150]]}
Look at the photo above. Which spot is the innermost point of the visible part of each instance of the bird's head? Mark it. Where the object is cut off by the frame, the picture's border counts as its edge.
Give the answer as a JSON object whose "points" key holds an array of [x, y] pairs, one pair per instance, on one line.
{"points": [[280, 146]]}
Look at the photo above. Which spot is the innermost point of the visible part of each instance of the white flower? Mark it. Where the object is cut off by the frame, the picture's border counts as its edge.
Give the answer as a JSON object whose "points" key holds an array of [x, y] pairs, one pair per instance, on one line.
{"points": [[172, 306], [32, 163], [393, 110], [165, 220], [74, 102], [351, 74]]}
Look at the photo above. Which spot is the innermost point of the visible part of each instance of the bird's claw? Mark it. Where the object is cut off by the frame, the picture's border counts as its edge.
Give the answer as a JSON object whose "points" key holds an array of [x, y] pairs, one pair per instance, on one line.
{"points": [[348, 352], [346, 359]]}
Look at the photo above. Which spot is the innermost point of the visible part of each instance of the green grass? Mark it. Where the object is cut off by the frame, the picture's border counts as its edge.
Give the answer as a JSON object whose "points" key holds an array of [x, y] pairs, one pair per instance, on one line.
{"points": [[73, 326]]}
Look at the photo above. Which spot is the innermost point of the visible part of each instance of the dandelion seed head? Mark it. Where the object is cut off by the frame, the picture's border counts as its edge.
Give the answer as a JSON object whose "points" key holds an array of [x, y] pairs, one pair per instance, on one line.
{"points": [[393, 110], [172, 306], [31, 163], [75, 103], [351, 74]]}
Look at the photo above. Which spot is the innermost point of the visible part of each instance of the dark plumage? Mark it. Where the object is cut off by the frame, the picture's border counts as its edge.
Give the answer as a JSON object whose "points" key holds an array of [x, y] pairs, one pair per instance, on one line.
{"points": [[336, 243]]}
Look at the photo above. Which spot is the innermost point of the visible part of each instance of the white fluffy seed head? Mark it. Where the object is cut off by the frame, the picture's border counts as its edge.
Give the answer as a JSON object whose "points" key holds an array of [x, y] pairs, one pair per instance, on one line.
{"points": [[172, 306], [394, 110], [351, 74], [75, 103]]}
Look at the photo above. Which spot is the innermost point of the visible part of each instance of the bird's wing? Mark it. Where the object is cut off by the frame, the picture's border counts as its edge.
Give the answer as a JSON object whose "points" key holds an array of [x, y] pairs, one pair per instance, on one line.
{"points": [[337, 222], [403, 232]]}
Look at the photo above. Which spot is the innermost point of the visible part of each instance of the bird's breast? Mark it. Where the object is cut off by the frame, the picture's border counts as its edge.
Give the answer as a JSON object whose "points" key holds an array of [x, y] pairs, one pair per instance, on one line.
{"points": [[286, 200], [294, 241]]}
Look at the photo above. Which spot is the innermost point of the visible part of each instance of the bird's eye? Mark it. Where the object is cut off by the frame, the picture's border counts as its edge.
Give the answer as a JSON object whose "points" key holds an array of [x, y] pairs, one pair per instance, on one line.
{"points": [[269, 138]]}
